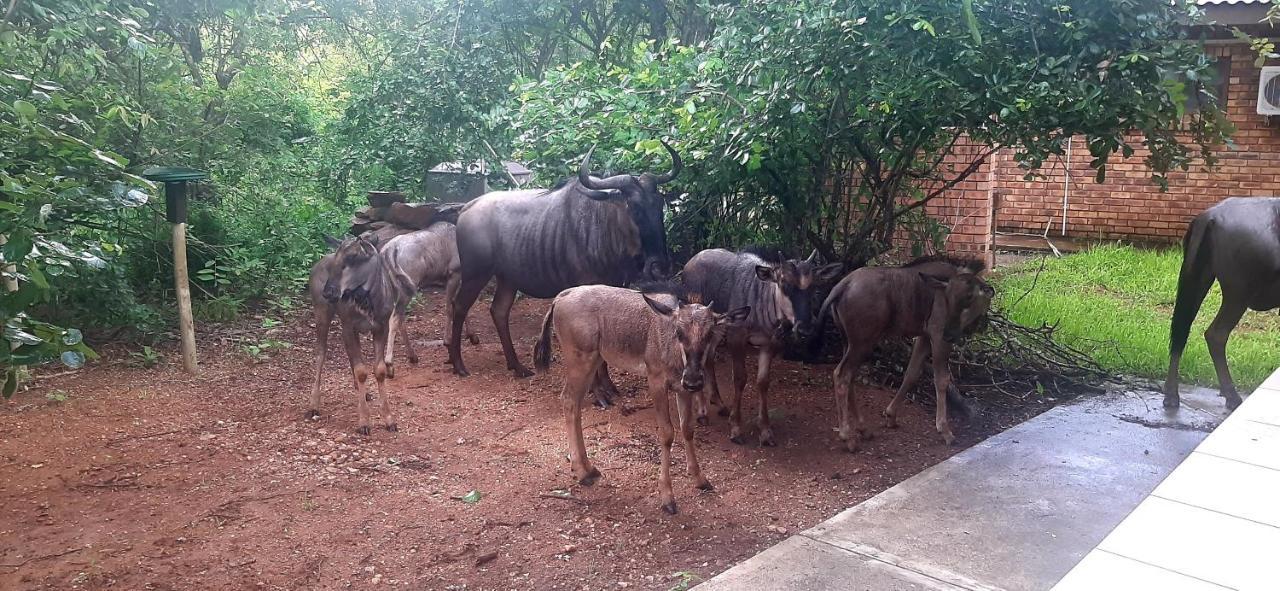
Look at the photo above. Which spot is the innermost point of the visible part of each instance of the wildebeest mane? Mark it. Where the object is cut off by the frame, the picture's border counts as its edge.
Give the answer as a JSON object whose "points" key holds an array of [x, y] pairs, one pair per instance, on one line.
{"points": [[668, 287], [569, 181], [974, 266], [768, 253]]}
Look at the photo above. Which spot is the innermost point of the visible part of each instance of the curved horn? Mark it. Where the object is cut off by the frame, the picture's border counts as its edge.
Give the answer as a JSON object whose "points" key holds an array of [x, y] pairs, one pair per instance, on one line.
{"points": [[617, 181], [813, 258], [675, 165]]}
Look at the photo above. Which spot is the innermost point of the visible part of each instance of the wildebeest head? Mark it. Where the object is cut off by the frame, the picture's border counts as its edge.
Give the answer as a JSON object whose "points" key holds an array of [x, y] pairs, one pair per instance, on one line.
{"points": [[357, 261], [796, 281], [965, 300], [695, 332], [644, 204]]}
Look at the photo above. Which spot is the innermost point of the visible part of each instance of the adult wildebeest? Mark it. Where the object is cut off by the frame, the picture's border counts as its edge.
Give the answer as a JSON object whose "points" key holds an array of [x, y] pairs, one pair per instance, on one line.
{"points": [[588, 231], [937, 300], [663, 337], [430, 259], [1236, 242], [369, 293], [780, 294]]}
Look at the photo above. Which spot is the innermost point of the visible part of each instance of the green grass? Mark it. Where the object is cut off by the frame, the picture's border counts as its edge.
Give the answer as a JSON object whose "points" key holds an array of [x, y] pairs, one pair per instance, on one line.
{"points": [[1116, 302]]}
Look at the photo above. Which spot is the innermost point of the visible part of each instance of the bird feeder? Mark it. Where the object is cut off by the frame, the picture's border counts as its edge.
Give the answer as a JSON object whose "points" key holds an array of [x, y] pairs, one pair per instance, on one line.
{"points": [[175, 181]]}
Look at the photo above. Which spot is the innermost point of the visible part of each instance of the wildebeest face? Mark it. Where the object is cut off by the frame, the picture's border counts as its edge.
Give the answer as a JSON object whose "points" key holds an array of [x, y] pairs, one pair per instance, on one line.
{"points": [[967, 299], [695, 332], [644, 203], [797, 282], [357, 259]]}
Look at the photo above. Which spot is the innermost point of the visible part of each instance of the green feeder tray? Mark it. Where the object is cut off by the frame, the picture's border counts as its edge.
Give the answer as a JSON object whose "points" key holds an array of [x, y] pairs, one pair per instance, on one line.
{"points": [[175, 179]]}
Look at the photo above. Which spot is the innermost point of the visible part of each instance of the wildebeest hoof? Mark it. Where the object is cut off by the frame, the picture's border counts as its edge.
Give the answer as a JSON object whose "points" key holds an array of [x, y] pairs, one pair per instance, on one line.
{"points": [[590, 479], [521, 371], [949, 439], [391, 371], [312, 414], [413, 359], [475, 340], [851, 445], [368, 396], [865, 435], [705, 485], [670, 507], [1172, 402], [461, 371], [704, 421], [737, 438], [766, 439], [392, 427], [1233, 402], [724, 411], [890, 421], [363, 430]]}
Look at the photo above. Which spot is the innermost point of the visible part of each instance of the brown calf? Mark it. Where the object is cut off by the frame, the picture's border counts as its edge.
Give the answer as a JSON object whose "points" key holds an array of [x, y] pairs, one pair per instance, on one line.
{"points": [[661, 337], [369, 293], [937, 301]]}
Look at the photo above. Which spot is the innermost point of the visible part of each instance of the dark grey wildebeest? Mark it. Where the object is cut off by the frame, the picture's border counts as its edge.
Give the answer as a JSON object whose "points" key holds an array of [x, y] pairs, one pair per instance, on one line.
{"points": [[936, 300], [430, 259], [780, 294], [1237, 243], [369, 293], [658, 334], [588, 231]]}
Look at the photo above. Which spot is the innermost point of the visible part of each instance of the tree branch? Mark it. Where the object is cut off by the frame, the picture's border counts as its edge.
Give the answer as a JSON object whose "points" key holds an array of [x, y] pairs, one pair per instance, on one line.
{"points": [[947, 186]]}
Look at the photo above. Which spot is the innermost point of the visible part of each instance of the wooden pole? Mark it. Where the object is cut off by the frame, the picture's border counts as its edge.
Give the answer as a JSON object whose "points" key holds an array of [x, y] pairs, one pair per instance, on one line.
{"points": [[10, 286], [186, 323]]}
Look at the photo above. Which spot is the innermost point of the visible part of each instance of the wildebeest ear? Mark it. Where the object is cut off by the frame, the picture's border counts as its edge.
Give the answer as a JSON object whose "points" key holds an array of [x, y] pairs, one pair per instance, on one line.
{"points": [[934, 281], [659, 307], [374, 240], [735, 316], [764, 272], [829, 272], [331, 242]]}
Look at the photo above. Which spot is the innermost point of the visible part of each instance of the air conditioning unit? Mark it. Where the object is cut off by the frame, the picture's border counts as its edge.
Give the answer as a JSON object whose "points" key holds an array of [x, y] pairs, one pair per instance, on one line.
{"points": [[1269, 91]]}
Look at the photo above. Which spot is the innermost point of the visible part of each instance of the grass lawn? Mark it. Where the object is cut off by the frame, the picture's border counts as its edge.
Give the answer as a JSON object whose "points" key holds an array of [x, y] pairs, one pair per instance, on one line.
{"points": [[1116, 302]]}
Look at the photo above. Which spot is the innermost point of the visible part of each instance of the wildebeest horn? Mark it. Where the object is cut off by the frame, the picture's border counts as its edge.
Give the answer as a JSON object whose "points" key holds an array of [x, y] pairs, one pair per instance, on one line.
{"points": [[813, 258], [675, 165], [616, 181]]}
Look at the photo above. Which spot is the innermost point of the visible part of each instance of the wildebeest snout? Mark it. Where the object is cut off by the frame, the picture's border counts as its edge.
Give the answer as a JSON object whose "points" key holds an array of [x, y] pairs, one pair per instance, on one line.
{"points": [[330, 291], [691, 378]]}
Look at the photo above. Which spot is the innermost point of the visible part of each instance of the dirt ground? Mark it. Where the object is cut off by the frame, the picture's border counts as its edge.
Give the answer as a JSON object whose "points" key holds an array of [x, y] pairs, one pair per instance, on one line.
{"points": [[128, 478]]}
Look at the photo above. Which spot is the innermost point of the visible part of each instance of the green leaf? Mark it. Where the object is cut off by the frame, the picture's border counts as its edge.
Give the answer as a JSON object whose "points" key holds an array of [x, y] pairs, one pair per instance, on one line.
{"points": [[10, 382], [24, 109], [971, 20], [73, 359], [471, 498]]}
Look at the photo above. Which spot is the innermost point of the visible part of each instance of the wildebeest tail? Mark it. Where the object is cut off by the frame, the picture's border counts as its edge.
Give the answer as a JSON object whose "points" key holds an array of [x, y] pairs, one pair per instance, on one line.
{"points": [[542, 350], [1194, 281], [820, 324]]}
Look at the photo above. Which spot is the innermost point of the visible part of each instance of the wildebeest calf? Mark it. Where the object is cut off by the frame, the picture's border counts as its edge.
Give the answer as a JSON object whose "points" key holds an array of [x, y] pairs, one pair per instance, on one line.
{"points": [[936, 300], [780, 294], [430, 259], [660, 336], [369, 293]]}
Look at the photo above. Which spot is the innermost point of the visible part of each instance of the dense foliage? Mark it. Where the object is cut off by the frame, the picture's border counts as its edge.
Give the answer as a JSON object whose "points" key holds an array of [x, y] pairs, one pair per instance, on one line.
{"points": [[812, 123]]}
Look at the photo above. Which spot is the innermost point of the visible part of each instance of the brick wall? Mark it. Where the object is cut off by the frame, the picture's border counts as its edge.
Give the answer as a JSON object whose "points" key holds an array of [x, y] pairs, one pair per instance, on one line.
{"points": [[966, 208], [1128, 205]]}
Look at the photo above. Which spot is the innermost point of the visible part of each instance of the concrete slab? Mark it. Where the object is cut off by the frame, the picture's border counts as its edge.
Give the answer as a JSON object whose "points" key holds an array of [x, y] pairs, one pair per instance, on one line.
{"points": [[1014, 512]]}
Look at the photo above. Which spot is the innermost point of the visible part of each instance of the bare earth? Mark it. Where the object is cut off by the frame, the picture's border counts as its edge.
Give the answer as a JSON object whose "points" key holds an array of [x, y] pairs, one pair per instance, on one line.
{"points": [[151, 479]]}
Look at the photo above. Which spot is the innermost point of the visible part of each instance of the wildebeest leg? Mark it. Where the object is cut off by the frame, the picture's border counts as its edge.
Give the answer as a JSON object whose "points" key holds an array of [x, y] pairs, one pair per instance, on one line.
{"points": [[941, 380], [381, 371], [738, 357], [409, 351], [658, 390], [603, 388], [684, 405], [767, 353], [324, 318], [577, 378], [396, 328], [351, 341], [1216, 337], [504, 295], [710, 393], [451, 287], [467, 293], [846, 402], [919, 351]]}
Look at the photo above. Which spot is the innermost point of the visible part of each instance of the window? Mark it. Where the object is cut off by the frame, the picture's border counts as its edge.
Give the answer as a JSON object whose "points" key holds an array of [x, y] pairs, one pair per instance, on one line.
{"points": [[1205, 93]]}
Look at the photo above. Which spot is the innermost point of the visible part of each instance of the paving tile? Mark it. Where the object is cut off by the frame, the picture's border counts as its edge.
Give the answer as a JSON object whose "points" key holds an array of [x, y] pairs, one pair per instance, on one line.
{"points": [[1273, 381], [1243, 440], [1263, 406], [1199, 543], [1104, 570], [1226, 486]]}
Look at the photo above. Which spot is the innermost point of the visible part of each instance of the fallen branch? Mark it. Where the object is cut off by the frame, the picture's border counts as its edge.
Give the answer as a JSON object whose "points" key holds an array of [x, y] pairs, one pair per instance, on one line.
{"points": [[564, 498], [39, 558]]}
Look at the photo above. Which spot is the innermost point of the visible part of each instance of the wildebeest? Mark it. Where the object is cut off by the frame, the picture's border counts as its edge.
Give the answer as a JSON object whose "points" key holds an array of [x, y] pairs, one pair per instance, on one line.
{"points": [[937, 300], [540, 242], [430, 259], [780, 294], [658, 335], [1237, 243], [369, 293]]}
